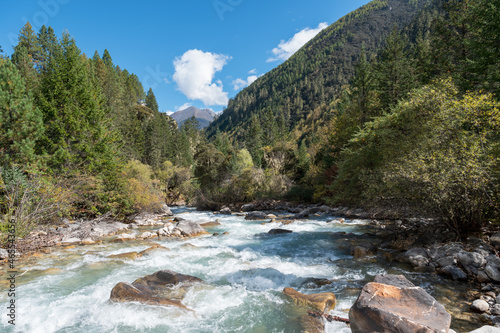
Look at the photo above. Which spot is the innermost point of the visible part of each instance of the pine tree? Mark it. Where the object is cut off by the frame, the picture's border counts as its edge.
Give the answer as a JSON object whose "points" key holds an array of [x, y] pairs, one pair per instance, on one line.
{"points": [[48, 44], [151, 101], [395, 77], [20, 120], [26, 56], [77, 133]]}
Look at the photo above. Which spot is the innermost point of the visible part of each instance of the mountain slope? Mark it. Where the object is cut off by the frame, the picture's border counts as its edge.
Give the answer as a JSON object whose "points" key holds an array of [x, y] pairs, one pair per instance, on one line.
{"points": [[318, 71], [204, 116]]}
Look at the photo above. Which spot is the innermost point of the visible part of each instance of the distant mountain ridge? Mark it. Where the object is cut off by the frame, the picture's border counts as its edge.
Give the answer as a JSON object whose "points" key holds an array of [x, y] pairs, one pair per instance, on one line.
{"points": [[204, 116], [315, 74]]}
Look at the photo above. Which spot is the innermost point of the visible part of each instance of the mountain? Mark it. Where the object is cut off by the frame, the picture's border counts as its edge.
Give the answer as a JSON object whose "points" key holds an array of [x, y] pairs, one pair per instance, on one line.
{"points": [[204, 116], [315, 74]]}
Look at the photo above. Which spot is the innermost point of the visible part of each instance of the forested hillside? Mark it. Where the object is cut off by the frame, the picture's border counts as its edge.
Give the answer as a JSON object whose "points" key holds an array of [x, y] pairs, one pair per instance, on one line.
{"points": [[394, 108], [314, 74], [401, 121]]}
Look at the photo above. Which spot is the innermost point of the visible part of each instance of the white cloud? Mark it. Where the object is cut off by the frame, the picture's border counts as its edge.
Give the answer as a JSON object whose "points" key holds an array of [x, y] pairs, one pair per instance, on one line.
{"points": [[184, 106], [286, 49], [253, 71], [240, 83], [194, 74]]}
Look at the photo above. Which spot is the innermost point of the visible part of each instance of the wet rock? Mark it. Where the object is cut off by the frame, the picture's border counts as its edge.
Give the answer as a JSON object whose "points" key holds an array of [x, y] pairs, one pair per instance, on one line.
{"points": [[316, 283], [127, 255], [322, 302], [160, 288], [210, 224], [397, 308], [153, 249], [279, 231], [454, 272], [480, 305], [256, 216]]}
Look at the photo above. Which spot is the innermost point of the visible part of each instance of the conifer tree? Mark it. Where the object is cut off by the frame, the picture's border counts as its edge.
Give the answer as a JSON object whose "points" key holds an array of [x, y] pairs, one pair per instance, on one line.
{"points": [[20, 120], [77, 131], [151, 101], [26, 56]]}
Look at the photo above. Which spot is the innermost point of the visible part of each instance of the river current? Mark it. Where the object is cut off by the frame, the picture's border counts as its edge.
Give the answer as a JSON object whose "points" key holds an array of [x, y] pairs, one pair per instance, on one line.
{"points": [[68, 289]]}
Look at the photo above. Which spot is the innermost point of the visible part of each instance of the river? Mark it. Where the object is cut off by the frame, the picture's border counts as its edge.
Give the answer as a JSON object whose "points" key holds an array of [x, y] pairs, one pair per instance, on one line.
{"points": [[68, 289]]}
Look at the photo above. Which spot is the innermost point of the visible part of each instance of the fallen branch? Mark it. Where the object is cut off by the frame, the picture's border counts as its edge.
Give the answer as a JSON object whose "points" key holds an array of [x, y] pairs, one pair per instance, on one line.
{"points": [[328, 317]]}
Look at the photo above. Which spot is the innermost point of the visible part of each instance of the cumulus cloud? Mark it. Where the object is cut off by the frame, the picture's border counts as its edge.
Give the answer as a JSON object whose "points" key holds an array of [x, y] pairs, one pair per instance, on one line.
{"points": [[253, 71], [240, 83], [194, 75], [287, 48]]}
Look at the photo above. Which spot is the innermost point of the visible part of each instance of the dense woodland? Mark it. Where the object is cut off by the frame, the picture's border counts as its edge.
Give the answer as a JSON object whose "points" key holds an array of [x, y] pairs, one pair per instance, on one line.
{"points": [[394, 107]]}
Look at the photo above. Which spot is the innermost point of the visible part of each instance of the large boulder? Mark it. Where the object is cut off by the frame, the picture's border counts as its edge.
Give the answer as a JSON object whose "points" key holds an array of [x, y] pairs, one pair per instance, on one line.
{"points": [[161, 288], [322, 302], [397, 307]]}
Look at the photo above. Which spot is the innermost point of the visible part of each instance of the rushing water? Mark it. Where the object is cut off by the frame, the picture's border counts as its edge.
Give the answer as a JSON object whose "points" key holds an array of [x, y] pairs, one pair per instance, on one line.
{"points": [[68, 290]]}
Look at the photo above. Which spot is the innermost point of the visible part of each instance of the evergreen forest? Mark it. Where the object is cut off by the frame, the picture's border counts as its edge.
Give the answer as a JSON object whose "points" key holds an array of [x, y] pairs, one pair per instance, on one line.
{"points": [[395, 108]]}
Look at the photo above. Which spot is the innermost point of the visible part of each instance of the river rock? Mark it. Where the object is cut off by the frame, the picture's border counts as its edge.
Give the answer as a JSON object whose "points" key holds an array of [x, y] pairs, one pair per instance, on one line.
{"points": [[417, 257], [164, 210], [160, 288], [454, 272], [363, 250], [256, 216], [480, 305], [471, 261], [190, 228], [225, 210], [153, 249], [70, 241], [3, 254], [492, 268], [248, 207], [322, 302], [495, 309], [279, 231], [397, 308]]}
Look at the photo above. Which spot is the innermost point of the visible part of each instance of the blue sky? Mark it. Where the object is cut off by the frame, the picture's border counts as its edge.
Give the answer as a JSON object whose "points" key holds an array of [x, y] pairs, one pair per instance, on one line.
{"points": [[191, 52]]}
